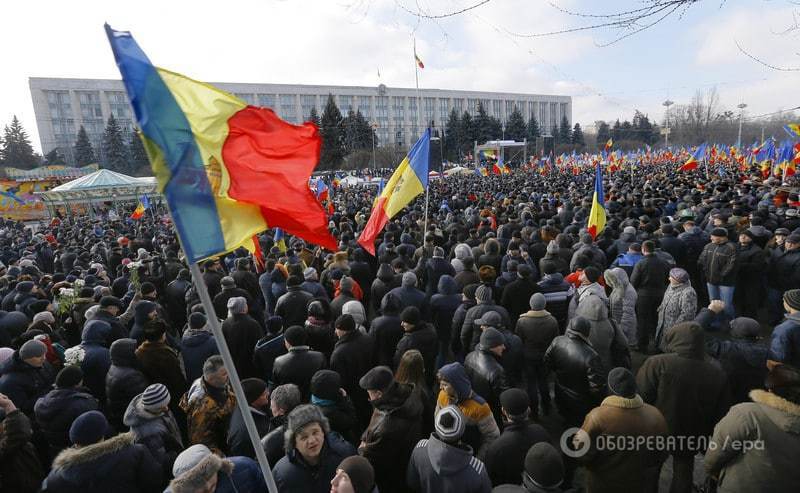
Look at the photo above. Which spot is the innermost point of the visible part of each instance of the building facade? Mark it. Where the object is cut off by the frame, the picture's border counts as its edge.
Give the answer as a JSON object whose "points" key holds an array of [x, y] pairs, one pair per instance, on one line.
{"points": [[62, 105]]}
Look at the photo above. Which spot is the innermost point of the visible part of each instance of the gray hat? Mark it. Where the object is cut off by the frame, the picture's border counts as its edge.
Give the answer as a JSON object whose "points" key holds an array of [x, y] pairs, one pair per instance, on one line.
{"points": [[552, 247], [155, 397], [228, 282], [378, 378], [490, 318], [299, 418], [621, 382], [310, 274], [449, 424], [538, 302], [629, 230], [491, 338], [483, 293], [745, 328], [409, 280], [32, 349], [438, 252], [237, 304]]}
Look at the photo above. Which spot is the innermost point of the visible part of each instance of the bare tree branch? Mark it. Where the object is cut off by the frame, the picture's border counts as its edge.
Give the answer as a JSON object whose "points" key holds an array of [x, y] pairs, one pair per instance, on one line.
{"points": [[421, 14], [762, 62]]}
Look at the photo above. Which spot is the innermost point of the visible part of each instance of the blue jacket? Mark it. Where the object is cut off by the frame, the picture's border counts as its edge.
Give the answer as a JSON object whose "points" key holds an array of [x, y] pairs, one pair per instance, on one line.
{"points": [[785, 344], [196, 347], [97, 359]]}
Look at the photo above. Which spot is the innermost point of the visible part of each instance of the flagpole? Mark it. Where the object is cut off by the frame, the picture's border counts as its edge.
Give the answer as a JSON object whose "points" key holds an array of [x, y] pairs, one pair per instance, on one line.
{"points": [[241, 400], [419, 122]]}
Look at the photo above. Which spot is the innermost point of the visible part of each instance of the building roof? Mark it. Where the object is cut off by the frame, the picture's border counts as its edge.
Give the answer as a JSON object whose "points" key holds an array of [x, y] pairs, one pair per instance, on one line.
{"points": [[102, 185], [102, 178]]}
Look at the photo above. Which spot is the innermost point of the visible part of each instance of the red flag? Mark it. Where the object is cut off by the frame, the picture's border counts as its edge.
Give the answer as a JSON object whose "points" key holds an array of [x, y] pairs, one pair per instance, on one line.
{"points": [[269, 162]]}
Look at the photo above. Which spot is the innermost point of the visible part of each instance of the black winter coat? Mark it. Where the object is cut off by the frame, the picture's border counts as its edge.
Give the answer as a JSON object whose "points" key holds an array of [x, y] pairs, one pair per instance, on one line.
{"points": [[293, 306], [292, 473], [56, 411], [718, 263], [650, 276], [353, 356], [297, 367], [238, 438], [124, 380], [387, 332], [516, 297], [505, 457], [393, 431], [20, 469], [487, 375], [23, 383], [580, 376], [537, 329], [242, 333], [117, 464], [423, 339]]}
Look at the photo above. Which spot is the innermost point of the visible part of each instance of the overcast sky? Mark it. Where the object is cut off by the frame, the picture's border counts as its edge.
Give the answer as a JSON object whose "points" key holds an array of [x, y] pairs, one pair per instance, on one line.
{"points": [[346, 42]]}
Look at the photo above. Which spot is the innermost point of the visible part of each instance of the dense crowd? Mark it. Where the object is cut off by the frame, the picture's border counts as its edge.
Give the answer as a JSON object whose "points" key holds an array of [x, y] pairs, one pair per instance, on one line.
{"points": [[450, 362]]}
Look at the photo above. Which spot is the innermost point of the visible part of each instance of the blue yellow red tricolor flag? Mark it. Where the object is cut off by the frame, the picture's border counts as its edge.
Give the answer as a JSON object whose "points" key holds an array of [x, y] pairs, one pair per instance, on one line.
{"points": [[408, 180], [609, 145], [226, 169], [694, 159], [139, 211], [597, 214], [793, 129]]}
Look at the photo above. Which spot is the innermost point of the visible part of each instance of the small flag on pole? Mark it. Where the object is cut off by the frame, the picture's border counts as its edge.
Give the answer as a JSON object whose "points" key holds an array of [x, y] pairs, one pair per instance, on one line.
{"points": [[417, 59]]}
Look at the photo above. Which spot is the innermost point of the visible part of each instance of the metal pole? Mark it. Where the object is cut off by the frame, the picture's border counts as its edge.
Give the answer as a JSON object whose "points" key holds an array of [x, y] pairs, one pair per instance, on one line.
{"points": [[374, 165], [416, 81], [241, 400]]}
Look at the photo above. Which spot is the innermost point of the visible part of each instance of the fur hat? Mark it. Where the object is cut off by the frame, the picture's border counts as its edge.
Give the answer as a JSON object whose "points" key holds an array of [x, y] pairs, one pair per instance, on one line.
{"points": [[299, 418], [194, 467]]}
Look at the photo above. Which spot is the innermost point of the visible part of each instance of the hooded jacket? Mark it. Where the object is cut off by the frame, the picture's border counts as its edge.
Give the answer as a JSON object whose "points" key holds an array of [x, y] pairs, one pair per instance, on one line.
{"points": [[124, 380], [443, 306], [481, 428], [394, 429], [623, 302], [387, 331], [603, 334], [772, 424], [97, 359], [56, 411], [197, 345], [689, 390], [117, 464], [441, 467], [23, 383], [140, 316], [785, 344]]}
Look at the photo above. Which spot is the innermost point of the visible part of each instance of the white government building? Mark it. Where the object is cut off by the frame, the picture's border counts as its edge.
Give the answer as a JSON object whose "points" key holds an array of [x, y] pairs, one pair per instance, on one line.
{"points": [[62, 105]]}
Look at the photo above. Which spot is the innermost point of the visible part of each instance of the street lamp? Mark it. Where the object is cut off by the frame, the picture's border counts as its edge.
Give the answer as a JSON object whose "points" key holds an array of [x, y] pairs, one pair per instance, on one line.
{"points": [[374, 126], [741, 107], [667, 104]]}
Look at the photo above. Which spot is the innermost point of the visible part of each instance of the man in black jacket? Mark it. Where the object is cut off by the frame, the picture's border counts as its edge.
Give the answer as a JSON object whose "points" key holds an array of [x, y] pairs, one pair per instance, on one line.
{"points": [[505, 457], [650, 277], [420, 336], [257, 394], [299, 364], [293, 305], [718, 263], [352, 358], [580, 377], [394, 429], [483, 367], [750, 277]]}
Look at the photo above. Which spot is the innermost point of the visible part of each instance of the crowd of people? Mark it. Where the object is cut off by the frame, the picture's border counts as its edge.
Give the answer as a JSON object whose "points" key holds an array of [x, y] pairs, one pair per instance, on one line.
{"points": [[452, 361]]}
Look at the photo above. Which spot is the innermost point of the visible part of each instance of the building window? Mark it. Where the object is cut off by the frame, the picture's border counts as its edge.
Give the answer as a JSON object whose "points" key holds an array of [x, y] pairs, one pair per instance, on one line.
{"points": [[509, 109], [543, 117], [398, 109], [497, 110], [247, 98], [444, 110], [553, 115], [364, 107], [458, 105], [345, 104], [288, 107], [472, 106], [307, 103], [266, 100], [118, 102], [564, 112], [90, 105]]}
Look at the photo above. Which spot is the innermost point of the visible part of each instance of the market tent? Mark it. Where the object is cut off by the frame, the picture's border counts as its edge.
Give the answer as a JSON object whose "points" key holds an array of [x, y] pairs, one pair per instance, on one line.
{"points": [[101, 186]]}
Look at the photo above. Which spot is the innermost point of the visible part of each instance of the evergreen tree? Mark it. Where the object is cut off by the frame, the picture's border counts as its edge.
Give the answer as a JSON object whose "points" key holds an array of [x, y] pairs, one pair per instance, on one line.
{"points": [[453, 136], [495, 129], [627, 132], [515, 127], [114, 149], [564, 132], [314, 117], [577, 136], [616, 131], [84, 153], [54, 158], [603, 133], [532, 133], [645, 131], [556, 135], [483, 126], [332, 136], [137, 155], [16, 150], [350, 133], [365, 132], [469, 133]]}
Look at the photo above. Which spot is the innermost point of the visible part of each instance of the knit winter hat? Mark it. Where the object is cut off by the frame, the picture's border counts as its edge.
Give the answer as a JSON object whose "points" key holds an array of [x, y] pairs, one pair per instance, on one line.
{"points": [[346, 284], [32, 349], [409, 280], [45, 317], [237, 305], [621, 382], [325, 384], [792, 298], [515, 401], [490, 318], [345, 323], [483, 294], [69, 376], [88, 428], [629, 230], [470, 290], [155, 398], [360, 472], [491, 338], [544, 468], [228, 282], [449, 424], [679, 274], [745, 328], [538, 302], [299, 418], [524, 271], [310, 274], [411, 315]]}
